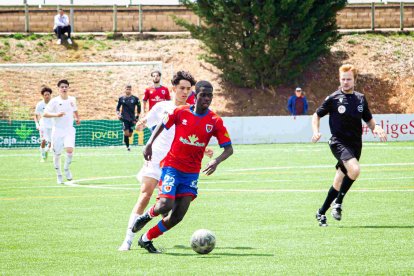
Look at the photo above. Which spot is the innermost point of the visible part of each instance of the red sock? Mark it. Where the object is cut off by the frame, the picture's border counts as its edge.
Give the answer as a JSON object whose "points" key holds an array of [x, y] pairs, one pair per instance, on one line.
{"points": [[157, 230], [152, 212]]}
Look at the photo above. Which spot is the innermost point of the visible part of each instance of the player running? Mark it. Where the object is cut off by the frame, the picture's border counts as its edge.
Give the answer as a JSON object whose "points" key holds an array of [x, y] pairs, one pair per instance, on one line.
{"points": [[346, 108], [44, 125], [194, 127], [63, 110], [127, 115], [150, 173], [156, 93]]}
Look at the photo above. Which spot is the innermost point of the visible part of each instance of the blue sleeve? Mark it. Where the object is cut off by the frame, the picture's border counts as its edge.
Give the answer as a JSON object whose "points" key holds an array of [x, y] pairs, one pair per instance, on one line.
{"points": [[305, 106], [290, 105]]}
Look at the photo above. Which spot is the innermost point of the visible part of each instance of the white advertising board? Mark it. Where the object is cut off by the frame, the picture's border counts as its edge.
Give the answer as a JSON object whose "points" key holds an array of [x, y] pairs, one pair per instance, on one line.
{"points": [[290, 129]]}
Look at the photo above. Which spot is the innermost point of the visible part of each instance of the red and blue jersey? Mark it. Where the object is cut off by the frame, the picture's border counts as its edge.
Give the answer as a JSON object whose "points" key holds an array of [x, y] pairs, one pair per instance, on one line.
{"points": [[192, 134]]}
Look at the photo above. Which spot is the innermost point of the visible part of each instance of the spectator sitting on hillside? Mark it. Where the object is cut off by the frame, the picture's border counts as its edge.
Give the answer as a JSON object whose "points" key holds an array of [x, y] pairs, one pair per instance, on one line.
{"points": [[297, 104], [62, 26]]}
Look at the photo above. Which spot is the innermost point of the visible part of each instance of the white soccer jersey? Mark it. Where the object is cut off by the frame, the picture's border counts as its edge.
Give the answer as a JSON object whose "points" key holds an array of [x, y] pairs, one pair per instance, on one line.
{"points": [[163, 142], [57, 105], [44, 122]]}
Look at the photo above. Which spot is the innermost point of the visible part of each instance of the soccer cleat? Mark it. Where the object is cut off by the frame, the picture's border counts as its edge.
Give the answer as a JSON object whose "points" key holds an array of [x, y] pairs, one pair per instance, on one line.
{"points": [[141, 222], [42, 160], [126, 245], [148, 246], [59, 179], [128, 149], [59, 41], [321, 219], [337, 211], [69, 41], [68, 175]]}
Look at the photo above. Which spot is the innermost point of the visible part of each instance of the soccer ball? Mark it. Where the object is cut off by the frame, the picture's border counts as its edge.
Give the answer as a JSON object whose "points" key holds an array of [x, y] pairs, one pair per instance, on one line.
{"points": [[203, 241]]}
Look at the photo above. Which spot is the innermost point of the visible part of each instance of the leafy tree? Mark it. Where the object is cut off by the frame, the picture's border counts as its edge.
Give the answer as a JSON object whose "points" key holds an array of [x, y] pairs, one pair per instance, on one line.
{"points": [[262, 43]]}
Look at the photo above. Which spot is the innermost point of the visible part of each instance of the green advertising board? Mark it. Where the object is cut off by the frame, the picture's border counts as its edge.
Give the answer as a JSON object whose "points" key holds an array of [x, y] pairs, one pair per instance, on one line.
{"points": [[90, 133]]}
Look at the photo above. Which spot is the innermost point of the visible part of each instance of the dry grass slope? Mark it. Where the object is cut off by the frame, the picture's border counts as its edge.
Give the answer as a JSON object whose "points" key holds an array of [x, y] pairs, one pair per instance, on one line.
{"points": [[385, 62]]}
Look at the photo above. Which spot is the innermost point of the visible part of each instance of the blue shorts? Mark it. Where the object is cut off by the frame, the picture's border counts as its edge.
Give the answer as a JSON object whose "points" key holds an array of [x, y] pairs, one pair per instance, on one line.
{"points": [[174, 183]]}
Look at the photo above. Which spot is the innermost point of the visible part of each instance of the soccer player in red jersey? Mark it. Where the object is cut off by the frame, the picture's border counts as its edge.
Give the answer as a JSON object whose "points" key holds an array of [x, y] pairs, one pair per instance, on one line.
{"points": [[156, 93], [194, 126], [191, 98]]}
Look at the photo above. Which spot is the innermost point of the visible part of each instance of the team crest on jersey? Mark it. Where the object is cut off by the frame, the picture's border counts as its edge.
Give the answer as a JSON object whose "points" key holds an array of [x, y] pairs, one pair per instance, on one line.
{"points": [[209, 128], [360, 108], [184, 122], [132, 100], [163, 92], [341, 109], [72, 104]]}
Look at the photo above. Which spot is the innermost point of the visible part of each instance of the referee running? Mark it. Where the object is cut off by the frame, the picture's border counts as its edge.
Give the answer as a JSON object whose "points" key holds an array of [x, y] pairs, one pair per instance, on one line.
{"points": [[127, 114], [346, 108]]}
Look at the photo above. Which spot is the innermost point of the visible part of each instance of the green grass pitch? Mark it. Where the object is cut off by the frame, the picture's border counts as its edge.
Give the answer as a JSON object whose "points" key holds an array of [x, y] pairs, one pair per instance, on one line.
{"points": [[260, 203]]}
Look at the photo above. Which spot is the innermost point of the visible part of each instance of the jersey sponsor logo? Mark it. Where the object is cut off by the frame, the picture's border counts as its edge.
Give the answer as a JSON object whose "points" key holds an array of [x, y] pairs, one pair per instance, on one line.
{"points": [[227, 135], [360, 108], [157, 99], [192, 141], [184, 122], [341, 109], [132, 100], [209, 128]]}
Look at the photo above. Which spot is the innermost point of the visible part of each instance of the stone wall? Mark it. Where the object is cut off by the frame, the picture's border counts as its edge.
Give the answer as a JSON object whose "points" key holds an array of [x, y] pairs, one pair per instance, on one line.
{"points": [[158, 18]]}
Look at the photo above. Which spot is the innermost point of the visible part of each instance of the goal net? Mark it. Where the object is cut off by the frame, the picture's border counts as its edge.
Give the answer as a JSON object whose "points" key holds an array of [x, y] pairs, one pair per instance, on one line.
{"points": [[96, 86]]}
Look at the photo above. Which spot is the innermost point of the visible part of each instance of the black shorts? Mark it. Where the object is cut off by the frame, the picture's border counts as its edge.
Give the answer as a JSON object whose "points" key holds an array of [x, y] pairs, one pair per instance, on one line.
{"points": [[128, 125], [344, 152]]}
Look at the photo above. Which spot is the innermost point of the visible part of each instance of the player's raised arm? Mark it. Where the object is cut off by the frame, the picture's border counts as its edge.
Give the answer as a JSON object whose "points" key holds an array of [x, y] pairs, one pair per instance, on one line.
{"points": [[212, 165], [315, 128]]}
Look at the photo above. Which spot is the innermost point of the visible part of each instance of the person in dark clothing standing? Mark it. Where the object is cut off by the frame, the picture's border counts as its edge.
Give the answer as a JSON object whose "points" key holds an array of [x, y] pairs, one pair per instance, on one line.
{"points": [[127, 113], [346, 108], [297, 104]]}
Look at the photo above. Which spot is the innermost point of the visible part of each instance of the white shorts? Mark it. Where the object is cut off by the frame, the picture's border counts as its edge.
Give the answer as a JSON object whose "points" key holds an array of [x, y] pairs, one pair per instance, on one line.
{"points": [[63, 139], [151, 168], [45, 133]]}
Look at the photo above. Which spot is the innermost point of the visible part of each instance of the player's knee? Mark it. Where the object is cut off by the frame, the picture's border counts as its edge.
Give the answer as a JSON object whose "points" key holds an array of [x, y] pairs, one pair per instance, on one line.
{"points": [[145, 196], [354, 171], [164, 206]]}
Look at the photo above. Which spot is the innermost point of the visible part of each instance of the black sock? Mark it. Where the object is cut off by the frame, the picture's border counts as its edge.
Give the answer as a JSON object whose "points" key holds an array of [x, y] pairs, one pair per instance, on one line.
{"points": [[126, 140], [332, 194], [346, 184]]}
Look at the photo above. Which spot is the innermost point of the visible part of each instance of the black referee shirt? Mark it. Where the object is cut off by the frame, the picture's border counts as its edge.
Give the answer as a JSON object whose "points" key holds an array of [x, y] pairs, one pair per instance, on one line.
{"points": [[128, 107], [345, 114]]}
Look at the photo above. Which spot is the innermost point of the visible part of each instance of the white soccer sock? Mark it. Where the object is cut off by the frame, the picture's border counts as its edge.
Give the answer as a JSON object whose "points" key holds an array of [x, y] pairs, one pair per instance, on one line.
{"points": [[145, 238], [56, 161], [68, 160], [129, 234]]}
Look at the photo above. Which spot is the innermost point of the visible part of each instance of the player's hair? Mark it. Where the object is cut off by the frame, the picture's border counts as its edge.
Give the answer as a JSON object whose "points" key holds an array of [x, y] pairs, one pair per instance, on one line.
{"points": [[182, 75], [347, 68], [156, 71], [45, 89], [62, 81]]}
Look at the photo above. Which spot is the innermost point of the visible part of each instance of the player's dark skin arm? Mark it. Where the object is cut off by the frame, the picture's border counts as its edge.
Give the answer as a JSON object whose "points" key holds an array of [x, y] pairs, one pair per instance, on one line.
{"points": [[212, 165], [148, 147]]}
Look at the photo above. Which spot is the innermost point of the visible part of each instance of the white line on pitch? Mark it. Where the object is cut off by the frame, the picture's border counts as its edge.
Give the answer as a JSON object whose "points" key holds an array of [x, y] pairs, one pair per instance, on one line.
{"points": [[315, 167]]}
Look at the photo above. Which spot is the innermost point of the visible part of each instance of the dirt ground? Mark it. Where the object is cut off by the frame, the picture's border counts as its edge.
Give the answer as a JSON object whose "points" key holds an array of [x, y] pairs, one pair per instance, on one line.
{"points": [[385, 63]]}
